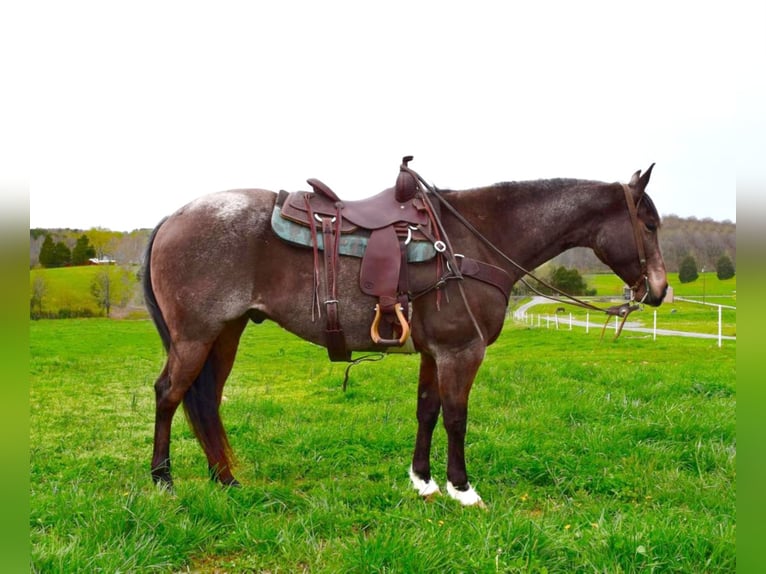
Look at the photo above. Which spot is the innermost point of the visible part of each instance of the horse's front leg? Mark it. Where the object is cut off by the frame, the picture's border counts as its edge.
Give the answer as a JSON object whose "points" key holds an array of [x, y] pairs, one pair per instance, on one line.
{"points": [[429, 404], [457, 371]]}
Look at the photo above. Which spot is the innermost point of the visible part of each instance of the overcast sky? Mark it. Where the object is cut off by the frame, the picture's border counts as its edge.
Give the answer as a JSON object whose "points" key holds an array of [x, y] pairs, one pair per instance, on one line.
{"points": [[140, 107]]}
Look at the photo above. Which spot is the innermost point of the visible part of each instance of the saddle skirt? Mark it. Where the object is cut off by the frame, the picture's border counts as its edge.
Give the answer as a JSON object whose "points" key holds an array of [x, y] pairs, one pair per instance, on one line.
{"points": [[352, 243]]}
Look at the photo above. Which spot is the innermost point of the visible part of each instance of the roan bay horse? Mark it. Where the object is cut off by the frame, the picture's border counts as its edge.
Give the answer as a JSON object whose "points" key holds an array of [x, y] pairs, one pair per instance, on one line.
{"points": [[216, 264]]}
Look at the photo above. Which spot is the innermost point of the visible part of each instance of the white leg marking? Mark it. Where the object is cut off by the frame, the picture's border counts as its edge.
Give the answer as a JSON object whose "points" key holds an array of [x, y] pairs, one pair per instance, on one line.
{"points": [[466, 497], [425, 488]]}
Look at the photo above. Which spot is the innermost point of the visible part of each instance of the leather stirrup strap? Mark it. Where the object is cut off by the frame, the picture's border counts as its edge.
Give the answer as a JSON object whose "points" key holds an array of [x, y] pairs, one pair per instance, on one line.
{"points": [[336, 340]]}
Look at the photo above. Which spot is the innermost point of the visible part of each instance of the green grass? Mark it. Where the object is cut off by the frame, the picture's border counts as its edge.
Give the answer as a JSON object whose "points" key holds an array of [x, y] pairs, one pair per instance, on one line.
{"points": [[592, 457], [609, 285], [68, 289]]}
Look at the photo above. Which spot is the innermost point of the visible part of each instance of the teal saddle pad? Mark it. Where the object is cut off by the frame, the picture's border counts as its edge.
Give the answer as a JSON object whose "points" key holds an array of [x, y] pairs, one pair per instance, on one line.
{"points": [[353, 244]]}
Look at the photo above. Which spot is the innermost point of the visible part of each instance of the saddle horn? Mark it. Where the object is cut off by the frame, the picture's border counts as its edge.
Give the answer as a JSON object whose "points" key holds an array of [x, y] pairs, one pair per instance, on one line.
{"points": [[406, 185]]}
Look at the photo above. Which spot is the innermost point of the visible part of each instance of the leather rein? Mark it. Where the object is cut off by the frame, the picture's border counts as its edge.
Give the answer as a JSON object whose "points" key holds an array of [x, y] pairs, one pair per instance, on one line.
{"points": [[614, 311]]}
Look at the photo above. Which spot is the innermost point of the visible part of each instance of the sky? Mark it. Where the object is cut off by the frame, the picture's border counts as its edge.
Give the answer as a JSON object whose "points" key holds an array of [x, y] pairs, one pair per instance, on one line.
{"points": [[138, 108]]}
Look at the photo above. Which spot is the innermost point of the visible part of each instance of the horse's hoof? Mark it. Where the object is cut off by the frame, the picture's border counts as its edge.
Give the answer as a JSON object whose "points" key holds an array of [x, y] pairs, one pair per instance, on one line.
{"points": [[163, 482], [466, 497], [162, 478], [428, 489]]}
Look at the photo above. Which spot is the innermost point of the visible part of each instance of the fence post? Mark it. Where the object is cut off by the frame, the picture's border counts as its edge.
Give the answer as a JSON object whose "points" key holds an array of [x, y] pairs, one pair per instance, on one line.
{"points": [[587, 323], [719, 327]]}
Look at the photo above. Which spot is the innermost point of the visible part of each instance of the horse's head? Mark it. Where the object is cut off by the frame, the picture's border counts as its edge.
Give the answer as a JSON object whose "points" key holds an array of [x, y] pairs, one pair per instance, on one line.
{"points": [[628, 243]]}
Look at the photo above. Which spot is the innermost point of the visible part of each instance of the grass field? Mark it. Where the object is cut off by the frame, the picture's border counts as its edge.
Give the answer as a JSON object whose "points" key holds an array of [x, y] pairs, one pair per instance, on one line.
{"points": [[592, 457], [68, 289]]}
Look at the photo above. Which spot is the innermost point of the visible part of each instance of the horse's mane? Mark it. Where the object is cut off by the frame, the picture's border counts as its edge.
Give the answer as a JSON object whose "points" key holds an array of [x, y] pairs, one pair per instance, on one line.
{"points": [[542, 186]]}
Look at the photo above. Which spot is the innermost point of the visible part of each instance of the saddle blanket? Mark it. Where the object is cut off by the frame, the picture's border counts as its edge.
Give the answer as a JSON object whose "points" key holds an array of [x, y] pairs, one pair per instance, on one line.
{"points": [[352, 244]]}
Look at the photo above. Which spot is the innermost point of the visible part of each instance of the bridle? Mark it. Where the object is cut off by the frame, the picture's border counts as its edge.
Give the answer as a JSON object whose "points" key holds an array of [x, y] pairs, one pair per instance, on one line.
{"points": [[633, 211], [614, 311]]}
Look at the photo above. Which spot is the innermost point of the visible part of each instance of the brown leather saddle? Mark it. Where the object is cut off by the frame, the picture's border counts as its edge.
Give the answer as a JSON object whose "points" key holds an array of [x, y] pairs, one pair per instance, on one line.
{"points": [[393, 218]]}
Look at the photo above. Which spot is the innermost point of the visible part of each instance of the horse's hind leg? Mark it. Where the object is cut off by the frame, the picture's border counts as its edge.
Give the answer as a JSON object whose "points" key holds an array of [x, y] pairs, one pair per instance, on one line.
{"points": [[209, 427], [429, 404], [185, 361]]}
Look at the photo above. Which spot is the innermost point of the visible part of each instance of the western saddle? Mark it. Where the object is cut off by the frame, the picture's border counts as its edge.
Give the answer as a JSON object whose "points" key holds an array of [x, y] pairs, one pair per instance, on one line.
{"points": [[391, 220]]}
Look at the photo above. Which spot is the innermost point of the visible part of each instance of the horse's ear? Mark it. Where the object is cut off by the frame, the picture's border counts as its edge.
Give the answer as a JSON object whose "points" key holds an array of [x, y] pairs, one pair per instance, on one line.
{"points": [[639, 182], [644, 179]]}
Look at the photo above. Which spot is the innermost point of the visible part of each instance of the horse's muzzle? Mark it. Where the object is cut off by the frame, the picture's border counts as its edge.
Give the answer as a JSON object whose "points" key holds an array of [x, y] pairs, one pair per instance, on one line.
{"points": [[650, 294]]}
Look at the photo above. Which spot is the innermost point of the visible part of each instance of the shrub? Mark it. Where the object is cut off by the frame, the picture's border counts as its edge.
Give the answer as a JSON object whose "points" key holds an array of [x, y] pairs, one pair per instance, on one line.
{"points": [[687, 272], [724, 268]]}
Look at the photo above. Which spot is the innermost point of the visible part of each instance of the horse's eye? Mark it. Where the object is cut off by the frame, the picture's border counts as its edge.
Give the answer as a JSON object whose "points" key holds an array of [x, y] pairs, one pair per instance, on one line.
{"points": [[651, 227]]}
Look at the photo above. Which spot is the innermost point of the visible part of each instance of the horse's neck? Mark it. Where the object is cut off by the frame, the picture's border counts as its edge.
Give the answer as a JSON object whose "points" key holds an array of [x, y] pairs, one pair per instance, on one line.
{"points": [[533, 222]]}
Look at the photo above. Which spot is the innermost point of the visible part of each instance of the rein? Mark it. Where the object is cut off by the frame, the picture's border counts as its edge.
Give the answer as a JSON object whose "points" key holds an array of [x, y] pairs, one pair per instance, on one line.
{"points": [[614, 311]]}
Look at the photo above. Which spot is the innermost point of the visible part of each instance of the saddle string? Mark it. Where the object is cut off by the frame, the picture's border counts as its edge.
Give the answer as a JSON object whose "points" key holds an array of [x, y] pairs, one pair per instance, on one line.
{"points": [[315, 300], [616, 310], [372, 357]]}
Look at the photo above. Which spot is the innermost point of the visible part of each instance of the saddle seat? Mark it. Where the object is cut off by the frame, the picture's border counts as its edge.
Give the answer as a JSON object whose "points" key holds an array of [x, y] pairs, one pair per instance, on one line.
{"points": [[384, 209]]}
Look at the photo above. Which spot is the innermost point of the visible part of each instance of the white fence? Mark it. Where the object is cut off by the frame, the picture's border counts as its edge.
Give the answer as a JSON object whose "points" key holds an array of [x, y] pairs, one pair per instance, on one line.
{"points": [[555, 322]]}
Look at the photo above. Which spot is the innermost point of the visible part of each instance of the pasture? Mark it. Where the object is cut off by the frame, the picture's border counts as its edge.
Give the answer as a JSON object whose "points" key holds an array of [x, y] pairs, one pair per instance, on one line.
{"points": [[592, 457]]}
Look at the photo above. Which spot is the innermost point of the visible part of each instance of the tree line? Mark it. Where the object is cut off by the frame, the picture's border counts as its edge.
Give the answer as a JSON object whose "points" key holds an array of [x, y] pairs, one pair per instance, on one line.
{"points": [[63, 247], [703, 240]]}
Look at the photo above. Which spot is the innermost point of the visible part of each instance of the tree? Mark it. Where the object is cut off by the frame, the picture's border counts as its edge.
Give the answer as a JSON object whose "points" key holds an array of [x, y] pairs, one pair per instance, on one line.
{"points": [[100, 238], [569, 281], [724, 268], [46, 252], [39, 290], [687, 271], [110, 287], [62, 254], [82, 251], [54, 254]]}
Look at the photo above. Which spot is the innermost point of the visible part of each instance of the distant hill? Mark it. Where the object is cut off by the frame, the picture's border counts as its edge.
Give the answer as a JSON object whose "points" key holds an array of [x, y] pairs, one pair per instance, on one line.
{"points": [[704, 239]]}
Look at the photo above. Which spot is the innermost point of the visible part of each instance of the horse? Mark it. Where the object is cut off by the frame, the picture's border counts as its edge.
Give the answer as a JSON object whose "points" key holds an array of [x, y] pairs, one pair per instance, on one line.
{"points": [[216, 264]]}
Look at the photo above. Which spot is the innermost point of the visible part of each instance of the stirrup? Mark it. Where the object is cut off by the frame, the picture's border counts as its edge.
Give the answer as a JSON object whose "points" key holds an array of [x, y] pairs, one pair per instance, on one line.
{"points": [[375, 334]]}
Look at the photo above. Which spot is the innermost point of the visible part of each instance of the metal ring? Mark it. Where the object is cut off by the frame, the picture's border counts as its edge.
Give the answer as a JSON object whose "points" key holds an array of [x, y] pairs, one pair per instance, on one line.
{"points": [[440, 246], [320, 220], [409, 236]]}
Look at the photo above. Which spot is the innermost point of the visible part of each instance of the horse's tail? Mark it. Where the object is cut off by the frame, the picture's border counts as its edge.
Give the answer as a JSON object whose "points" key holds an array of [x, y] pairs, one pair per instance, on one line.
{"points": [[149, 297], [200, 400], [201, 410]]}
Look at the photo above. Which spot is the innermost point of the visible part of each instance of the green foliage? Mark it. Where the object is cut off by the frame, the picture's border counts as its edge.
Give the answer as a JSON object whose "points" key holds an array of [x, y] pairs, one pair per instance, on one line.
{"points": [[570, 442], [54, 254], [687, 271], [569, 281], [724, 268], [83, 251]]}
